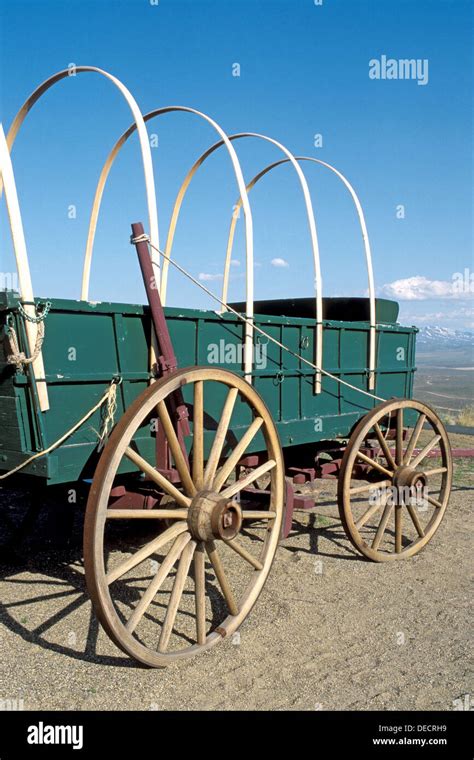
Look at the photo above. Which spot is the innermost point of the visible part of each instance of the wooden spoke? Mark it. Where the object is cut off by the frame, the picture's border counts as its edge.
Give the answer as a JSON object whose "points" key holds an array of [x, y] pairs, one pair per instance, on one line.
{"points": [[175, 447], [374, 463], [369, 487], [200, 592], [176, 594], [147, 550], [399, 438], [157, 581], [414, 438], [382, 526], [222, 578], [383, 445], [412, 512], [248, 479], [398, 528], [258, 514], [434, 502], [237, 454], [424, 452], [436, 471], [219, 439], [368, 514], [157, 477], [147, 514], [239, 549], [198, 435]]}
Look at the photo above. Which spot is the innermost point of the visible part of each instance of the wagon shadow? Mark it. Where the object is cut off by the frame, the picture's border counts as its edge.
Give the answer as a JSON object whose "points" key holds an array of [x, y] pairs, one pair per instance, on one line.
{"points": [[315, 532], [46, 544], [316, 528]]}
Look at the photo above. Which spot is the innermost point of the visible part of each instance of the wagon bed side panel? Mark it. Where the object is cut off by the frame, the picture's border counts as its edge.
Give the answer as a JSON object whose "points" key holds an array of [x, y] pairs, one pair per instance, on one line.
{"points": [[86, 345]]}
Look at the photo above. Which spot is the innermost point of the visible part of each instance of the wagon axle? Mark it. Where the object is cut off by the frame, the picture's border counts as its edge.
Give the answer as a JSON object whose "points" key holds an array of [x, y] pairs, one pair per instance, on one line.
{"points": [[409, 478], [210, 516]]}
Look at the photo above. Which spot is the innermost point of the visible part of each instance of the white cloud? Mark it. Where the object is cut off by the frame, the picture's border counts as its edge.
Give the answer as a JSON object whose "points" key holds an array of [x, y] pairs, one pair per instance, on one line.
{"points": [[207, 277], [420, 288], [279, 263], [235, 263]]}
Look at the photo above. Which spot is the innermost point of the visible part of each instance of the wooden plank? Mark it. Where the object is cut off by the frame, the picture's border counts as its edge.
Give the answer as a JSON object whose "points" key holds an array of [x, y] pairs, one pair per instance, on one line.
{"points": [[21, 255]]}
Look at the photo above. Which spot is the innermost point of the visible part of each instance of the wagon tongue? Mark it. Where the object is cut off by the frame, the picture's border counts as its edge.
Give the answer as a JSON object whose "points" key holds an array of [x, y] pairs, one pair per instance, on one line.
{"points": [[166, 360]]}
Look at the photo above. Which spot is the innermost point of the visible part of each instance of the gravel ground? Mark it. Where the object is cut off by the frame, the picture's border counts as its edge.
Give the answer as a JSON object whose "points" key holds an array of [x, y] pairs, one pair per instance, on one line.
{"points": [[330, 630]]}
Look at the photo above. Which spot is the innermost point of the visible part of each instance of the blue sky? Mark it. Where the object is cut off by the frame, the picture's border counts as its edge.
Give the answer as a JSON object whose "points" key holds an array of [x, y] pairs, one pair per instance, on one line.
{"points": [[304, 70]]}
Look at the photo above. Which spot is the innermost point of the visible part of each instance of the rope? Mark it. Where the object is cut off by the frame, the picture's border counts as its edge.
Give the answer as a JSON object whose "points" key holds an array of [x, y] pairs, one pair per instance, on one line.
{"points": [[109, 396], [18, 358], [109, 416], [146, 239]]}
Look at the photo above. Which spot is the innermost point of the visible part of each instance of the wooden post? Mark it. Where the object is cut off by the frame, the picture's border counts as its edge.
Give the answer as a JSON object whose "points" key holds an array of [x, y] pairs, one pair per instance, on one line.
{"points": [[24, 276]]}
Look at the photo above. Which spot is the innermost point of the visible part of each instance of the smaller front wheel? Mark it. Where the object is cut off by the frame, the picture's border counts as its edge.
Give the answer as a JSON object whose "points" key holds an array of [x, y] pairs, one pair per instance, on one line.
{"points": [[392, 500]]}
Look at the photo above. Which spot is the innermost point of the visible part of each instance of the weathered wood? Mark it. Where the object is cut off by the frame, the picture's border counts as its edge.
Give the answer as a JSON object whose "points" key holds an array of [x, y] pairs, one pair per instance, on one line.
{"points": [[146, 551], [157, 581], [176, 451], [242, 552], [216, 563], [219, 438], [198, 435], [200, 592], [252, 476], [176, 594], [157, 477], [237, 454]]}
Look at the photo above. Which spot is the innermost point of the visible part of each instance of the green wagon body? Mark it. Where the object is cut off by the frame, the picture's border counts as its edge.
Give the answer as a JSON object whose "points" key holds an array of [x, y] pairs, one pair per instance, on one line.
{"points": [[329, 395], [86, 345]]}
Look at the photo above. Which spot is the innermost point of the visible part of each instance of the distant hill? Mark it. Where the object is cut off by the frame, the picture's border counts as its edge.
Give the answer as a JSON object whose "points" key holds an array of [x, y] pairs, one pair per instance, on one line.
{"points": [[444, 376], [433, 337]]}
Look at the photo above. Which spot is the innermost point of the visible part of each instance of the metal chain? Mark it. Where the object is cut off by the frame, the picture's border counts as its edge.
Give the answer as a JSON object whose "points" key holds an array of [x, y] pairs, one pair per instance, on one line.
{"points": [[42, 311], [19, 358]]}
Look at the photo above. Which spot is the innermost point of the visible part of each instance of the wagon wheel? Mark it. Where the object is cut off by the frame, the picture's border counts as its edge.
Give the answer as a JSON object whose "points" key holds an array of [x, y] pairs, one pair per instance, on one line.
{"points": [[399, 508], [223, 557]]}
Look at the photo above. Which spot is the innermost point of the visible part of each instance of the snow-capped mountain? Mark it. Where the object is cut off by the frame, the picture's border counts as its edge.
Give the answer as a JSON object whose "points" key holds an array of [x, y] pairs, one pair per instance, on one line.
{"points": [[433, 336]]}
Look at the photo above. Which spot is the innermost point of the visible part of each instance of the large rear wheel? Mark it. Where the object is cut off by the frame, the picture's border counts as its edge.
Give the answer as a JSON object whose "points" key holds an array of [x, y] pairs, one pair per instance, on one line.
{"points": [[173, 580]]}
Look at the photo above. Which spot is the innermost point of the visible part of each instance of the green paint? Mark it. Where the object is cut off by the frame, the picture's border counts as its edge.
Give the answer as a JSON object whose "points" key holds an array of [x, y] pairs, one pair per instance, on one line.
{"points": [[86, 345]]}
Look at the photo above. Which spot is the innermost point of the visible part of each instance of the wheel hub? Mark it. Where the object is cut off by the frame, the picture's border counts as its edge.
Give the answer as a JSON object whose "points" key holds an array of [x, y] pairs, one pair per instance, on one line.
{"points": [[210, 517], [410, 483]]}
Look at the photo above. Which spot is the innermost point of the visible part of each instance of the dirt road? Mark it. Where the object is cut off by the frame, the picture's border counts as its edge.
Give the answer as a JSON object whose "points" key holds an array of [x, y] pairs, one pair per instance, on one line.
{"points": [[330, 630]]}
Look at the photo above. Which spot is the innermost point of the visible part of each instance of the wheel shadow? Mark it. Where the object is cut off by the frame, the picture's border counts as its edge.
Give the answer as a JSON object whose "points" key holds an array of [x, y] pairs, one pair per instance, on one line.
{"points": [[46, 540], [318, 530], [74, 594]]}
